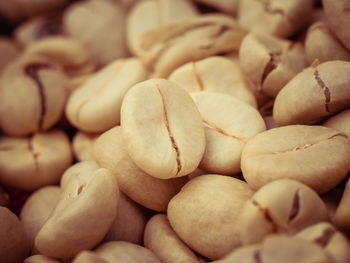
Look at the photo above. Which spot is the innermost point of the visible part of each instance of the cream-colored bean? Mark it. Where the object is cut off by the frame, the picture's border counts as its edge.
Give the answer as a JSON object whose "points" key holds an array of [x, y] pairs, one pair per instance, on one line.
{"points": [[206, 214], [95, 106], [229, 124], [14, 246], [40, 259], [342, 214], [314, 155], [332, 241], [270, 62], [37, 209], [39, 160], [340, 122], [151, 192], [82, 144], [147, 15], [32, 95], [164, 242], [163, 139], [314, 94], [88, 257], [169, 47], [76, 223], [129, 225], [322, 44], [125, 252], [339, 18], [216, 74], [283, 206], [99, 26], [275, 17]]}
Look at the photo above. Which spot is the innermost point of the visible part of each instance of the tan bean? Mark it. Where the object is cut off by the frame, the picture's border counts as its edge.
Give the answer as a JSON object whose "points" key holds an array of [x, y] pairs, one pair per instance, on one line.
{"points": [[216, 74], [40, 259], [14, 246], [163, 139], [340, 122], [169, 47], [314, 94], [283, 206], [314, 155], [37, 209], [206, 214], [88, 257], [95, 106], [229, 124], [82, 144], [151, 192], [164, 242], [39, 160], [8, 52]]}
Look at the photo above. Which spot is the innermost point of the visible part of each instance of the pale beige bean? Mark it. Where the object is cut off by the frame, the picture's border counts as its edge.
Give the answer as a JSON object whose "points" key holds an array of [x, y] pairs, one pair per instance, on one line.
{"points": [[8, 52], [32, 95], [246, 254], [40, 259], [339, 18], [88, 257], [270, 62], [95, 106], [342, 214], [332, 241], [314, 155], [37, 209], [76, 223], [82, 144], [99, 26], [314, 94], [229, 124], [169, 47], [279, 18], [151, 192], [216, 74], [39, 160], [164, 242], [226, 6], [163, 139], [147, 15], [206, 214], [322, 44], [129, 225], [125, 252], [340, 122], [14, 246], [283, 206]]}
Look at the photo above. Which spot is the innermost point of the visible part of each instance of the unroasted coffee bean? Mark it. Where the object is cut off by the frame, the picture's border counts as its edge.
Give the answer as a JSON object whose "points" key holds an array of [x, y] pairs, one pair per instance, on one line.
{"points": [[322, 44], [215, 74], [168, 47], [40, 259], [29, 163], [270, 62], [314, 94], [283, 206], [129, 225], [214, 203], [147, 15], [14, 246], [88, 257], [332, 241], [163, 139], [153, 193], [279, 18], [82, 144], [340, 122], [37, 209], [125, 252], [76, 223], [339, 18], [164, 242], [99, 26], [95, 106], [8, 52], [314, 155], [229, 123], [32, 95]]}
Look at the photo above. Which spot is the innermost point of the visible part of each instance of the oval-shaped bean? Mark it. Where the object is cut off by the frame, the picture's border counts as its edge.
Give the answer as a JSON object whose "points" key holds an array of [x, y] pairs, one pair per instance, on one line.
{"points": [[82, 145], [340, 122]]}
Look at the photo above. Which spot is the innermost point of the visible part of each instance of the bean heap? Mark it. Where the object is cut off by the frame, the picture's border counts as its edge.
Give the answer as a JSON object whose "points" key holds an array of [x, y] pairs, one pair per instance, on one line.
{"points": [[187, 131]]}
